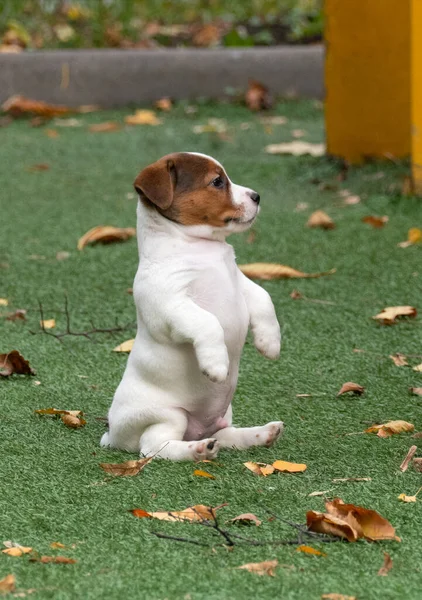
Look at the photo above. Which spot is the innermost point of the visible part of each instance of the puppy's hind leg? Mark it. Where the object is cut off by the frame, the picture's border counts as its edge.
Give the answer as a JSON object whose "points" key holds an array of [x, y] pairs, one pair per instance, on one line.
{"points": [[165, 440], [246, 437]]}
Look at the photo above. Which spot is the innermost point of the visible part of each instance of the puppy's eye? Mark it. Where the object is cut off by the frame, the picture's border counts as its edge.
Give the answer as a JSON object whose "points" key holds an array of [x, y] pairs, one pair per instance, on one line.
{"points": [[218, 182]]}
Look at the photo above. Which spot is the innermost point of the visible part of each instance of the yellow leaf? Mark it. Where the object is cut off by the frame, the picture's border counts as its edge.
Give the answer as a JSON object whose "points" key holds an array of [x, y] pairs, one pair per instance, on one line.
{"points": [[7, 584], [4, 302], [126, 469], [263, 568], [106, 234], [259, 468], [390, 428], [56, 545], [389, 315], [124, 346], [288, 467], [200, 473], [414, 236], [17, 551], [143, 117], [296, 148], [418, 368], [276, 271], [48, 323], [320, 219], [405, 498], [310, 550]]}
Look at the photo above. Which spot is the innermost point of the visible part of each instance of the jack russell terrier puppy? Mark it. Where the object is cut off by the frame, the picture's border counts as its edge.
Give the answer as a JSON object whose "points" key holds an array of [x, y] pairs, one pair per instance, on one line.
{"points": [[194, 307]]}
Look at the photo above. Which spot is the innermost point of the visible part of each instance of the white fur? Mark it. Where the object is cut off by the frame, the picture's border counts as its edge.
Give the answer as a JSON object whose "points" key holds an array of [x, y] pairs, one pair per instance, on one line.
{"points": [[194, 307]]}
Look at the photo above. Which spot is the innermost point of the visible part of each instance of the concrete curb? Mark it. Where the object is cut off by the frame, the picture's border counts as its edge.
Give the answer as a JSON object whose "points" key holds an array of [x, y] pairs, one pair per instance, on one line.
{"points": [[114, 78]]}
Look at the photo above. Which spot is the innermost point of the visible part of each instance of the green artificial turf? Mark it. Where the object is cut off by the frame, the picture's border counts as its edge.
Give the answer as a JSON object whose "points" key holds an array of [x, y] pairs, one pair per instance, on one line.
{"points": [[52, 487]]}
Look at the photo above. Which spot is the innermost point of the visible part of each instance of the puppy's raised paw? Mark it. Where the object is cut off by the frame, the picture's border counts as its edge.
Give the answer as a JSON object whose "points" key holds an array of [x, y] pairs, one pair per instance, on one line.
{"points": [[271, 432], [269, 346], [205, 449]]}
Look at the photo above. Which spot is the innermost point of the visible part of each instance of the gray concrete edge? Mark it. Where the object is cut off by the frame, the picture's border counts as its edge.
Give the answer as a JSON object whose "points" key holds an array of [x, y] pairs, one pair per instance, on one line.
{"points": [[116, 78]]}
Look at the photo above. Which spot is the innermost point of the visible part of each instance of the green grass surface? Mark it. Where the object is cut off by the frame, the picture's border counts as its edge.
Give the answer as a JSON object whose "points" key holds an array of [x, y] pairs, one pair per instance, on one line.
{"points": [[52, 486]]}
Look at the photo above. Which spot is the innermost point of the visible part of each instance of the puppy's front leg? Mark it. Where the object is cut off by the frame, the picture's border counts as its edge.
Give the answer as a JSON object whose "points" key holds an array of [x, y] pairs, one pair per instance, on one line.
{"points": [[190, 323], [263, 320]]}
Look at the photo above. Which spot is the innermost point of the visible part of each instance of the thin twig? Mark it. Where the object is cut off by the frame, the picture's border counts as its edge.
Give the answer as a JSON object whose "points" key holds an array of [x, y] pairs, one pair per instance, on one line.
{"points": [[179, 539]]}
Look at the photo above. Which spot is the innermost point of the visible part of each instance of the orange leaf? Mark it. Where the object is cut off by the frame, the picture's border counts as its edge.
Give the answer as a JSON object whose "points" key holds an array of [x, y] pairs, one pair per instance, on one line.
{"points": [[200, 473], [367, 523], [246, 519], [140, 513], [288, 467], [143, 117], [59, 560], [164, 104], [389, 315], [320, 219], [7, 584], [349, 386], [126, 469], [387, 566], [106, 234], [17, 550], [390, 428], [376, 222], [19, 106], [13, 363], [330, 525], [276, 271], [257, 96], [259, 468], [310, 550], [263, 568], [72, 421]]}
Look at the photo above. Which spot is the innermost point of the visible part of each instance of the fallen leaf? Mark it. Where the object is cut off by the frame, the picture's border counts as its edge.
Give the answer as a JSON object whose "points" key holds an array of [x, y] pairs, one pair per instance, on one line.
{"points": [[7, 584], [411, 453], [310, 550], [414, 236], [330, 525], [17, 550], [351, 200], [213, 126], [59, 560], [403, 497], [57, 545], [288, 467], [18, 315], [301, 206], [126, 469], [4, 302], [104, 127], [276, 271], [106, 234], [48, 323], [376, 222], [68, 123], [72, 421], [259, 468], [52, 133], [337, 597], [124, 346], [62, 255], [257, 96], [417, 436], [143, 117], [349, 386], [399, 359], [140, 513], [246, 519], [251, 237], [263, 568], [345, 479], [164, 104], [199, 473], [387, 566], [19, 106], [417, 463], [199, 512], [367, 523], [319, 493], [13, 363], [38, 167], [387, 429], [296, 148], [417, 391], [57, 411], [389, 315], [320, 219], [418, 368], [207, 35]]}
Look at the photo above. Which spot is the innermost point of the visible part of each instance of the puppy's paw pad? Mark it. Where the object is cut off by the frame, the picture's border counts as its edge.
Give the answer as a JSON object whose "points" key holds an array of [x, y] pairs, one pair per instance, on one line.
{"points": [[217, 373], [272, 431], [206, 449]]}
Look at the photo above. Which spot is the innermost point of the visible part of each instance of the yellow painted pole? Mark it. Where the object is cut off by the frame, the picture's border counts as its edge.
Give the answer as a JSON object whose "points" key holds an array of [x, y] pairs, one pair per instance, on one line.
{"points": [[367, 76], [416, 63]]}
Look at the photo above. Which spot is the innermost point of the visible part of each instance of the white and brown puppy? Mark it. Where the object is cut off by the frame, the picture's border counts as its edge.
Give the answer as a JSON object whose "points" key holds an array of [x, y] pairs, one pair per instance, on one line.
{"points": [[194, 307]]}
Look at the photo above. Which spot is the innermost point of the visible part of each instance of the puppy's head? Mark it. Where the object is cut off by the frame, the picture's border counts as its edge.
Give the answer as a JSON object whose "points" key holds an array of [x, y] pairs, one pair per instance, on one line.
{"points": [[194, 190]]}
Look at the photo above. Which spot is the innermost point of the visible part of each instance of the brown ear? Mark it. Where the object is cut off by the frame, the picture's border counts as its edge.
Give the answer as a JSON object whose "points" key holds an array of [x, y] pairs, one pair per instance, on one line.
{"points": [[156, 183]]}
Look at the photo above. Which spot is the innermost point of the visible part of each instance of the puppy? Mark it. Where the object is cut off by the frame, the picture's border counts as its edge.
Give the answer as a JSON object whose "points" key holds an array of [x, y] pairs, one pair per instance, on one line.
{"points": [[194, 307]]}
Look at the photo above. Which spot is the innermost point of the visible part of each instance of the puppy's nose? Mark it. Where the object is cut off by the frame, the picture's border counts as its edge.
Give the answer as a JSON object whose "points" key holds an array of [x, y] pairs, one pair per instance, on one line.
{"points": [[255, 197]]}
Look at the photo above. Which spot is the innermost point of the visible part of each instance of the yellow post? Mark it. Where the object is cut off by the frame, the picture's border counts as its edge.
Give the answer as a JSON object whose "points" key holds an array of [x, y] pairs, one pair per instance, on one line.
{"points": [[416, 62], [368, 78]]}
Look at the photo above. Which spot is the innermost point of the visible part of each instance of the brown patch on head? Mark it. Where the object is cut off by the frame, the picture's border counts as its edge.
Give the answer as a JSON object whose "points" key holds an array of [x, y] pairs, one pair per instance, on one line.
{"points": [[188, 189]]}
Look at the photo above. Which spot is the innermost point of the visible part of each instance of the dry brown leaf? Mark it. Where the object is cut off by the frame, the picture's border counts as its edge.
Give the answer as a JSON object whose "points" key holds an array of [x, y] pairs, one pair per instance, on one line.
{"points": [[164, 104], [124, 346], [387, 566], [405, 498], [259, 468], [414, 236], [57, 545], [418, 368], [200, 473], [72, 421], [126, 469], [417, 463], [246, 519], [18, 315], [288, 467], [17, 550], [257, 96], [19, 106], [309, 550], [104, 127], [106, 234], [337, 597], [276, 271], [143, 117], [389, 315], [199, 512], [330, 525], [387, 429], [13, 363], [57, 411], [296, 148], [350, 386], [417, 391], [320, 219], [4, 302], [411, 453], [366, 522], [207, 35], [399, 359], [48, 323], [7, 584], [59, 560], [263, 568], [376, 222], [38, 167]]}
